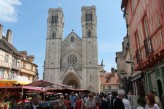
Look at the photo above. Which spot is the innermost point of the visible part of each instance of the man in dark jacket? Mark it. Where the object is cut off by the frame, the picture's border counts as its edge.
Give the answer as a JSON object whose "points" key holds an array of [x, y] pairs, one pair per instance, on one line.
{"points": [[117, 102], [104, 103], [111, 98]]}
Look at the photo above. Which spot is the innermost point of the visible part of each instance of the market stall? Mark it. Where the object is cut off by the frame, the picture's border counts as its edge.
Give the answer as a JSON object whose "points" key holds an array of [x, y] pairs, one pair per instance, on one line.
{"points": [[19, 80], [47, 84], [16, 95], [68, 91], [13, 92]]}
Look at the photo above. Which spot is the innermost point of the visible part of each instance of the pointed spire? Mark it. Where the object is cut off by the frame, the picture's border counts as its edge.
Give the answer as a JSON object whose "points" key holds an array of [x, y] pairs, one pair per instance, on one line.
{"points": [[102, 64], [72, 30]]}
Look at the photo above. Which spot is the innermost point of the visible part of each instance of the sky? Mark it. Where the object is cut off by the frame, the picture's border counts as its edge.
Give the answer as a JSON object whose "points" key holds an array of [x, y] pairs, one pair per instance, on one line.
{"points": [[28, 21]]}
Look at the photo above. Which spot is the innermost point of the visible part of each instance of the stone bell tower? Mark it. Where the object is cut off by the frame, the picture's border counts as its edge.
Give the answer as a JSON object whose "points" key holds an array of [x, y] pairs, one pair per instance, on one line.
{"points": [[55, 25], [89, 48]]}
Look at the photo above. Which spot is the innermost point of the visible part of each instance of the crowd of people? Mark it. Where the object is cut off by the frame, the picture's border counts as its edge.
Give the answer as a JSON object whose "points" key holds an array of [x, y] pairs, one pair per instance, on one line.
{"points": [[113, 100]]}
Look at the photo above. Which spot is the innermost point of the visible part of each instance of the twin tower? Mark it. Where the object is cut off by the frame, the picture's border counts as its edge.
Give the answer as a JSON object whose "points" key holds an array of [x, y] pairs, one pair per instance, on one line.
{"points": [[73, 60]]}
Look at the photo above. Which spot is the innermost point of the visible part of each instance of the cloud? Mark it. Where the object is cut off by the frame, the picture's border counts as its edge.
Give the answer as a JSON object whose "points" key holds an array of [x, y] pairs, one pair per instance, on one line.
{"points": [[8, 10]]}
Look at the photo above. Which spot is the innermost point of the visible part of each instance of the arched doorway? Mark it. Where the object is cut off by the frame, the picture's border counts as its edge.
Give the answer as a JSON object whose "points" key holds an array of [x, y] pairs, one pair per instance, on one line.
{"points": [[73, 83], [72, 80]]}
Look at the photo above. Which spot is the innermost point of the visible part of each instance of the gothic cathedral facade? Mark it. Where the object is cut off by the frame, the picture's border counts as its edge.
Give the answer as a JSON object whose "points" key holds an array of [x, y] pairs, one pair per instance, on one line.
{"points": [[73, 60]]}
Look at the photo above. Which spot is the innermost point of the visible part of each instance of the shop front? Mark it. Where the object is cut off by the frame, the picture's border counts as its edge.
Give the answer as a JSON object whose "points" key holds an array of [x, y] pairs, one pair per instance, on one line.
{"points": [[155, 80], [138, 82]]}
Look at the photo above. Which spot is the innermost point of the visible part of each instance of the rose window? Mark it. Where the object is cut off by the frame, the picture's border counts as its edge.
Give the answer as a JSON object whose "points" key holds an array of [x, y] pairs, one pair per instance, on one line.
{"points": [[72, 59]]}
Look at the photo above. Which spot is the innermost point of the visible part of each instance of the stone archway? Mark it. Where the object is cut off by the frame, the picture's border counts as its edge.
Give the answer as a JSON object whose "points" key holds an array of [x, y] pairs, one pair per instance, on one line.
{"points": [[73, 83], [72, 80]]}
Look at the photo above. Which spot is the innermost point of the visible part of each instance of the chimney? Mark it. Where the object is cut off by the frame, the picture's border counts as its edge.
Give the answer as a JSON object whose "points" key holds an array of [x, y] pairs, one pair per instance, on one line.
{"points": [[30, 58], [9, 36], [23, 53], [1, 29]]}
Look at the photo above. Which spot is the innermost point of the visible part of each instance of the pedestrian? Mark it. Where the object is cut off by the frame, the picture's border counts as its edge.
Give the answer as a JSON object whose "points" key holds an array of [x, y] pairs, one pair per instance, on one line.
{"points": [[90, 103], [33, 102], [72, 98], [61, 102], [79, 103], [157, 99], [162, 102], [85, 98], [117, 102], [112, 98], [108, 100], [104, 103], [67, 102], [150, 102], [97, 100], [131, 98], [124, 100], [141, 103]]}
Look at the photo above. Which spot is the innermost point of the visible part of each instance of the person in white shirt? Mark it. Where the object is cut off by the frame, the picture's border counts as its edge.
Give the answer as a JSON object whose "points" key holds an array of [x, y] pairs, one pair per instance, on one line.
{"points": [[124, 100]]}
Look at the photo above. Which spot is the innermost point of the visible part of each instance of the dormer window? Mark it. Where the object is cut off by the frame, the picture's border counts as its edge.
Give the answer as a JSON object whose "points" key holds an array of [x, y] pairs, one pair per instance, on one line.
{"points": [[55, 19], [89, 33], [89, 17]]}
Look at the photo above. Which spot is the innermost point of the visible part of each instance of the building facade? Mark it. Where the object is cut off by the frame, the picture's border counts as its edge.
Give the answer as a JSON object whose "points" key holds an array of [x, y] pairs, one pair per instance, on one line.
{"points": [[11, 59], [124, 66], [28, 67], [145, 23], [109, 82], [73, 60]]}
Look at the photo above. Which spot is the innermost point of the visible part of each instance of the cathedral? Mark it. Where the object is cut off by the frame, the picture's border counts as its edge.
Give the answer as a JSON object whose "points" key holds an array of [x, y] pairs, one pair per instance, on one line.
{"points": [[73, 60]]}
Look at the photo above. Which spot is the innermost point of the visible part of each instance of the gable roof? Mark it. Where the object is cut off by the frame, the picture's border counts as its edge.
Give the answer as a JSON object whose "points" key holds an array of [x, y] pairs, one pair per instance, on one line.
{"points": [[5, 45], [109, 78], [2, 46], [74, 34]]}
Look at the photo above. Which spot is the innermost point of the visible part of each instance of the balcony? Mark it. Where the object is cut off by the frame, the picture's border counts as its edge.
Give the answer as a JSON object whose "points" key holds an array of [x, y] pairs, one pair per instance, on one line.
{"points": [[26, 71], [148, 46], [138, 56]]}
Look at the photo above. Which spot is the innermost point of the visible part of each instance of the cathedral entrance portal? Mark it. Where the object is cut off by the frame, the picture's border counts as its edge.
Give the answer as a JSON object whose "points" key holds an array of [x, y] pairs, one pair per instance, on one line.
{"points": [[72, 80], [73, 83]]}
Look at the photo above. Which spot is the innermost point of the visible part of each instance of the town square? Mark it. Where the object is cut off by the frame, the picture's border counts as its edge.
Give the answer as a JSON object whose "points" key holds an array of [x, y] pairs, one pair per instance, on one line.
{"points": [[81, 54]]}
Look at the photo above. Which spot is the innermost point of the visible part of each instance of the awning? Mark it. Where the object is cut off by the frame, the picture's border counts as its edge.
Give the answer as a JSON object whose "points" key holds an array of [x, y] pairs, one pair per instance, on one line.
{"points": [[7, 82], [42, 83], [12, 82], [25, 88], [21, 80], [66, 90]]}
